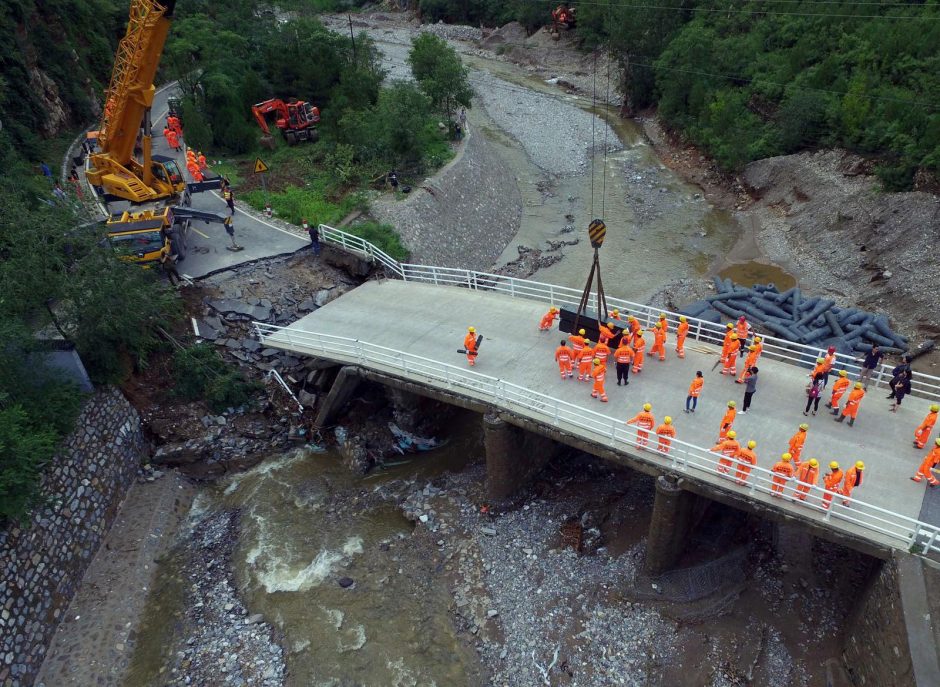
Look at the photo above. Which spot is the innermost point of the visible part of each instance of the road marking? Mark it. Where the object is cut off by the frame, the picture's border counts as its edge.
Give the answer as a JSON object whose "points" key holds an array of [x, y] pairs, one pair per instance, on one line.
{"points": [[199, 232], [261, 221]]}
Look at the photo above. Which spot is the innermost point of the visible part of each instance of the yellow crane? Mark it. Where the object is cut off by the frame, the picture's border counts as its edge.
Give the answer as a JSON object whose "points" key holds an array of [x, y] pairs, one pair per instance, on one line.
{"points": [[114, 168]]}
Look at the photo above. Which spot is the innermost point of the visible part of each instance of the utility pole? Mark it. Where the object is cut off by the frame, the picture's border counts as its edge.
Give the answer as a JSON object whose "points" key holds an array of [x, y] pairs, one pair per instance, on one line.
{"points": [[352, 38]]}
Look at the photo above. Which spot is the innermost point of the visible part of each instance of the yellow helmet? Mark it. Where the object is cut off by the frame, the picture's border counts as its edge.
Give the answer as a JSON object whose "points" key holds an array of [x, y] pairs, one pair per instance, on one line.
{"points": [[683, 318], [786, 457], [858, 385], [820, 360], [732, 434], [662, 316], [833, 465], [471, 329], [813, 462], [859, 465], [752, 347], [752, 444], [734, 337], [659, 325], [610, 324], [804, 427], [615, 312], [730, 325], [597, 361], [631, 318], [667, 420], [843, 373], [937, 441], [934, 408], [731, 404], [587, 342], [581, 332], [758, 339], [553, 309], [647, 406]]}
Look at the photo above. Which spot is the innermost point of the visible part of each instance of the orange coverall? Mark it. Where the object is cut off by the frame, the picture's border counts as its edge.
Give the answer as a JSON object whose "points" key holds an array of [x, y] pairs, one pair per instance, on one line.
{"points": [[760, 347], [644, 422], [782, 472], [659, 343], [746, 458], [729, 357], [605, 334], [742, 329], [599, 373], [577, 344], [807, 476], [172, 139], [796, 446], [201, 161], [831, 481], [728, 449], [838, 389], [639, 351], [470, 345], [695, 388], [922, 433], [681, 333], [547, 320], [563, 356], [851, 405], [666, 434], [726, 423], [585, 358], [749, 362], [602, 353], [930, 461], [853, 478]]}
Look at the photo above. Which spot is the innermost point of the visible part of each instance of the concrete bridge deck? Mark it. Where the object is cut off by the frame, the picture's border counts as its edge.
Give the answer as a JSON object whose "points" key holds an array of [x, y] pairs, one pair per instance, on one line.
{"points": [[430, 322]]}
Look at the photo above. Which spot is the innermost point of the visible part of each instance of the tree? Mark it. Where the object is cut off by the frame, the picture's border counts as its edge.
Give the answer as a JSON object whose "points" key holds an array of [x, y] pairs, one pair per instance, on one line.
{"points": [[440, 73]]}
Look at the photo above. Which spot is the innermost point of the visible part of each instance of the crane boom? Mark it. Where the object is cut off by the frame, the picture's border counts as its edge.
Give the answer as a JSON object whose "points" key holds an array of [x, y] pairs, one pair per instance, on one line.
{"points": [[127, 111]]}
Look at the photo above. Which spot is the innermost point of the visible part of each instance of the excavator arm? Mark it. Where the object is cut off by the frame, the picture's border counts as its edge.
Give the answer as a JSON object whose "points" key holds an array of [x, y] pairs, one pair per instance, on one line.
{"points": [[261, 109]]}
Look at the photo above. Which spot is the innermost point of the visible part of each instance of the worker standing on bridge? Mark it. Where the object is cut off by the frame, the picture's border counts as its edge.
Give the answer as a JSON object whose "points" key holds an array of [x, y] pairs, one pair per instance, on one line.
{"points": [[563, 357], [729, 356], [624, 356], [746, 459], [743, 330], [599, 373], [585, 360], [796, 443], [681, 333], [759, 343], [548, 319], [615, 314], [659, 340], [602, 353], [666, 433], [644, 422], [831, 483], [639, 352], [851, 405], [606, 333], [853, 478], [828, 361], [577, 344], [783, 471], [470, 345], [695, 388], [665, 322], [727, 421], [926, 467], [807, 476], [749, 362], [922, 433], [728, 448], [838, 389], [636, 331], [201, 161]]}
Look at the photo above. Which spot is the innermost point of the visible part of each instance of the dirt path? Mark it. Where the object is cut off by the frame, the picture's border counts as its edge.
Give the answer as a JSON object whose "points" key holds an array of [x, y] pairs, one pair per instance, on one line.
{"points": [[94, 642]]}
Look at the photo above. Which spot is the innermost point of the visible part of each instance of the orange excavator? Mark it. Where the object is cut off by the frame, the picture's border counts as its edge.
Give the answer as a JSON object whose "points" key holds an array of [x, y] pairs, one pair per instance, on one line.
{"points": [[563, 18], [297, 119]]}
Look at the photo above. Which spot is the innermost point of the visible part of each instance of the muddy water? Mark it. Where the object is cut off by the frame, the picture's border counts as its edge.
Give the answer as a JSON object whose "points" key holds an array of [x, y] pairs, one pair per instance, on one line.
{"points": [[756, 272]]}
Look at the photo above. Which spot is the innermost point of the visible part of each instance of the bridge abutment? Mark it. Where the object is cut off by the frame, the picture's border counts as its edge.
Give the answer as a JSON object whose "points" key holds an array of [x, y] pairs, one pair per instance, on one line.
{"points": [[513, 456], [670, 525], [344, 386]]}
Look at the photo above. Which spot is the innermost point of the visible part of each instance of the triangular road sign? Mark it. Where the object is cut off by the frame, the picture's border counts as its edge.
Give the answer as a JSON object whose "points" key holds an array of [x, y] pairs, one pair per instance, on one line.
{"points": [[260, 166]]}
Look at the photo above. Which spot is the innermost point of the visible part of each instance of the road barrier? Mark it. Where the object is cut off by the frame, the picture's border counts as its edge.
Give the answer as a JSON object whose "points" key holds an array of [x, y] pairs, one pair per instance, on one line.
{"points": [[922, 385], [884, 526]]}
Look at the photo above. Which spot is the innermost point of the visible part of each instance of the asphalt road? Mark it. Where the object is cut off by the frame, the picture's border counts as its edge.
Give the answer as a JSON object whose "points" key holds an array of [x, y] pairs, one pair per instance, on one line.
{"points": [[206, 249]]}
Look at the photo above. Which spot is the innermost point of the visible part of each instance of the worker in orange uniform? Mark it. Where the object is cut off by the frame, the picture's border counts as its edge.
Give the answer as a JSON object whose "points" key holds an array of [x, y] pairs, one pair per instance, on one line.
{"points": [[624, 356], [759, 342], [728, 448], [563, 358], [190, 155], [828, 361], [470, 345], [922, 433], [201, 161], [853, 478], [666, 433], [585, 360], [838, 389], [851, 405], [639, 352], [577, 343], [926, 467], [729, 356], [606, 333], [659, 341], [548, 319], [782, 471], [174, 123], [749, 362], [172, 139], [727, 420], [635, 329], [599, 374], [807, 475], [695, 388], [743, 330], [729, 330], [819, 369], [194, 171], [615, 314], [644, 422], [745, 460], [796, 443], [831, 481], [664, 321], [681, 332], [602, 353]]}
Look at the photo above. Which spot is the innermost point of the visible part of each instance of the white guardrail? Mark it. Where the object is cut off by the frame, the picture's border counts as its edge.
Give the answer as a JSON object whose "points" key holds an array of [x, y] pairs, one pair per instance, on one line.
{"points": [[922, 385], [889, 528]]}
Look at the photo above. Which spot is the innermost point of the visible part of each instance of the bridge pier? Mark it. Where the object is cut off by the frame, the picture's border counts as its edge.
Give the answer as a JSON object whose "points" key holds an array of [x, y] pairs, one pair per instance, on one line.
{"points": [[344, 386], [513, 456], [670, 525]]}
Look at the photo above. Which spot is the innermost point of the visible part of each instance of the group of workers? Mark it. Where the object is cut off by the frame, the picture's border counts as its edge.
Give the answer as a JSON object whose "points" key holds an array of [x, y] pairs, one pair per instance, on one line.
{"points": [[173, 132], [590, 359], [196, 164]]}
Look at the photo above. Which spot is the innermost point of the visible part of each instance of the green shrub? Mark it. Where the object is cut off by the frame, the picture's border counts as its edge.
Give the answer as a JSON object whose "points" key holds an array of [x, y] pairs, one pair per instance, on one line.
{"points": [[383, 236], [296, 204], [200, 373], [24, 450]]}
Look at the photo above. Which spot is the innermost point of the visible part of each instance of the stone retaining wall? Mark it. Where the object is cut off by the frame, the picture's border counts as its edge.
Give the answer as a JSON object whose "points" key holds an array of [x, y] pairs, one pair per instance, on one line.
{"points": [[42, 562]]}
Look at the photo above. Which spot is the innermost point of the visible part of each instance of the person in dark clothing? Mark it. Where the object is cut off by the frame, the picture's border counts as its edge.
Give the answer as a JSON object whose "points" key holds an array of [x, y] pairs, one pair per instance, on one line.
{"points": [[392, 178], [314, 233], [869, 364], [813, 393], [750, 386], [900, 387]]}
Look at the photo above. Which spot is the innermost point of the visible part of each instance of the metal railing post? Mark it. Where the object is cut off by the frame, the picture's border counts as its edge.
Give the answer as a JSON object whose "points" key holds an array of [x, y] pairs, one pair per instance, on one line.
{"points": [[512, 287], [881, 371], [434, 275], [551, 294], [698, 331]]}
